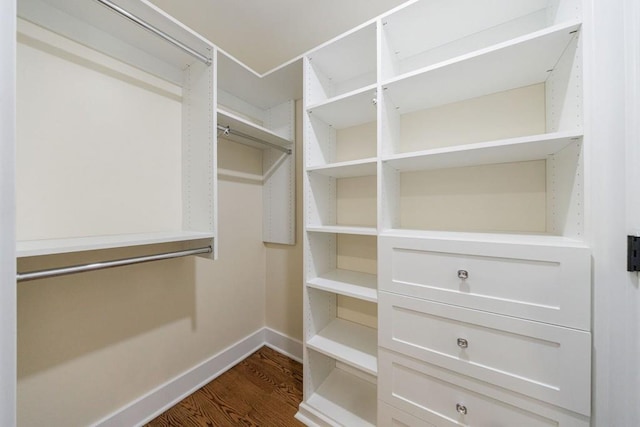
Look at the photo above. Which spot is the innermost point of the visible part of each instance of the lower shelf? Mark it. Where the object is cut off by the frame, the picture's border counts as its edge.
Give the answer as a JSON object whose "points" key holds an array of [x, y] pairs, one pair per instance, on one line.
{"points": [[349, 400], [350, 343]]}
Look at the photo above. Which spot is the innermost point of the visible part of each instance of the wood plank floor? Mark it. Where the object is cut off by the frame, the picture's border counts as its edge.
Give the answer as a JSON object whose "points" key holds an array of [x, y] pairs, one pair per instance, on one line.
{"points": [[263, 390]]}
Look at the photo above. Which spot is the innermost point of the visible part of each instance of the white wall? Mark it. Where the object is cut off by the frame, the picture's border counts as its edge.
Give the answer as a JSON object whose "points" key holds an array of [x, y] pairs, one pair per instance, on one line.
{"points": [[616, 324], [7, 216]]}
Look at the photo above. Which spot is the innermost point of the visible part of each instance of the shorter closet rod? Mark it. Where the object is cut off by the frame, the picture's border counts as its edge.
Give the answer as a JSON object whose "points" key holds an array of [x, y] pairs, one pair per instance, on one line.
{"points": [[155, 31], [41, 274], [227, 130]]}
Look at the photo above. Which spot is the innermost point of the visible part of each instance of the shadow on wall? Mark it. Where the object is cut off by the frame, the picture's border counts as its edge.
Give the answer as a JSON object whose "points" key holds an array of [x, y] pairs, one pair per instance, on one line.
{"points": [[61, 319]]}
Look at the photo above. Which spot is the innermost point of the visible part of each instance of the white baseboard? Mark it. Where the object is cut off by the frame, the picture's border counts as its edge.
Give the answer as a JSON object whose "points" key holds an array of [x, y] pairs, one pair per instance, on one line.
{"points": [[167, 395], [283, 344]]}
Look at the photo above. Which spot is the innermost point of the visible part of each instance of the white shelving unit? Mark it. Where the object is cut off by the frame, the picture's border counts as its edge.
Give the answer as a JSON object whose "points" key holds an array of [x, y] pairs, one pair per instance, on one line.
{"points": [[259, 111], [112, 43], [340, 227], [478, 166]]}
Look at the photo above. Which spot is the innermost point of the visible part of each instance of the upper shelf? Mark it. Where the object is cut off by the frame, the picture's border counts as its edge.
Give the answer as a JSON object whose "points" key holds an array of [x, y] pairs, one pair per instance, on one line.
{"points": [[350, 109], [132, 31], [343, 65], [519, 62], [427, 32], [253, 130]]}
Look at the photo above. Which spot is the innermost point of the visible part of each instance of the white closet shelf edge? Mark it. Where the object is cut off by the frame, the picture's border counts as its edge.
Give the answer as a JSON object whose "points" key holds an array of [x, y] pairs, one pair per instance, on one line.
{"points": [[26, 248], [470, 236], [520, 149], [237, 123]]}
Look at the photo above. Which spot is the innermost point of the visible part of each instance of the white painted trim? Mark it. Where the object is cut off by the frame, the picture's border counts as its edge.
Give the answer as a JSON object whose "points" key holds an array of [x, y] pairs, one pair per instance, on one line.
{"points": [[7, 214], [312, 418], [283, 344], [167, 395]]}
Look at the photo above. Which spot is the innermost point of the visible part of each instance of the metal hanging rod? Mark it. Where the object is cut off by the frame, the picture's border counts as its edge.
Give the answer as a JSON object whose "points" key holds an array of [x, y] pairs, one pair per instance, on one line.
{"points": [[226, 130], [41, 274], [155, 31]]}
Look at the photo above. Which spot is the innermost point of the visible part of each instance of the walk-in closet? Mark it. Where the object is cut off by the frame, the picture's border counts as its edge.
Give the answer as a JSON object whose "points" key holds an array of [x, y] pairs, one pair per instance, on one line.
{"points": [[366, 213]]}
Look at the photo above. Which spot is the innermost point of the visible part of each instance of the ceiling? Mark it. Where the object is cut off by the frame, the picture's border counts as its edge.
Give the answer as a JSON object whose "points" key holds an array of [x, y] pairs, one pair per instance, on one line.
{"points": [[264, 34]]}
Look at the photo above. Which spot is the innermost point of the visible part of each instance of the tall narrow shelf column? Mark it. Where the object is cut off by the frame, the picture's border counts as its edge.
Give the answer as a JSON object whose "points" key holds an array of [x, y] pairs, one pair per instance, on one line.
{"points": [[340, 188]]}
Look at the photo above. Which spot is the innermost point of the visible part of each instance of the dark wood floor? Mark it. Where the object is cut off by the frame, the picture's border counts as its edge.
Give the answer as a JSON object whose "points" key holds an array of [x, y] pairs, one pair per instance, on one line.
{"points": [[263, 390]]}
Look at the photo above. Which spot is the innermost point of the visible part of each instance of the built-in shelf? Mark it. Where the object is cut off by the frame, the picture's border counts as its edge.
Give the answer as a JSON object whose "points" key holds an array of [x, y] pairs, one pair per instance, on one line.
{"points": [[523, 238], [99, 28], [343, 65], [349, 169], [503, 151], [443, 32], [346, 399], [348, 283], [516, 63], [349, 342], [351, 109], [342, 229], [28, 248], [236, 123]]}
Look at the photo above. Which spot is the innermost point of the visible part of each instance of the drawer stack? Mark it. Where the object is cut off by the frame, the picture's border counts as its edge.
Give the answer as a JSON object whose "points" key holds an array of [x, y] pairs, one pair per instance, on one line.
{"points": [[484, 332]]}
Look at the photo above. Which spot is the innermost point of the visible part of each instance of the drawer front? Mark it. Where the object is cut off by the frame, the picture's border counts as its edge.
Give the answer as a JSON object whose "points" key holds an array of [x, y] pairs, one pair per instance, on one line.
{"points": [[445, 398], [549, 363], [550, 284], [388, 416]]}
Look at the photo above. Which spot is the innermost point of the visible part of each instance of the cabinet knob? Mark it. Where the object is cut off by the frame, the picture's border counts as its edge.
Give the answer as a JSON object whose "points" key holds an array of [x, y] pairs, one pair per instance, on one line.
{"points": [[462, 343], [461, 409], [463, 274]]}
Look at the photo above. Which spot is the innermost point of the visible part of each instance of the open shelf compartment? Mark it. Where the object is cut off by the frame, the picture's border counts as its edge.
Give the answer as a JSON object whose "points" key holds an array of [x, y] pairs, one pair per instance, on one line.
{"points": [[341, 66], [336, 395], [533, 192], [348, 201], [517, 63], [351, 343], [428, 32]]}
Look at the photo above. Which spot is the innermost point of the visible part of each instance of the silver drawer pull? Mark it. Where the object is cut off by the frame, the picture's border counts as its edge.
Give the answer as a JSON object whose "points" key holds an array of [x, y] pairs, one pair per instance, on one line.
{"points": [[462, 343], [463, 274], [461, 409]]}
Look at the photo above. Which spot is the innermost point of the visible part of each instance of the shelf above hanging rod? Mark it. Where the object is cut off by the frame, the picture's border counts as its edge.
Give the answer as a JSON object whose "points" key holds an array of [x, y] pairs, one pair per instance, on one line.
{"points": [[55, 272], [226, 130], [133, 18]]}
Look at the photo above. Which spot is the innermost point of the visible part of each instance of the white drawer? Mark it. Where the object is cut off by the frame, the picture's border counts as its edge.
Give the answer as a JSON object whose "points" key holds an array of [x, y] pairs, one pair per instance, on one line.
{"points": [[546, 362], [547, 283], [388, 416], [445, 398]]}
